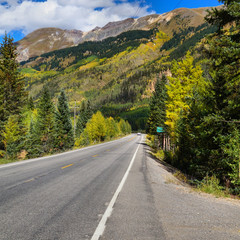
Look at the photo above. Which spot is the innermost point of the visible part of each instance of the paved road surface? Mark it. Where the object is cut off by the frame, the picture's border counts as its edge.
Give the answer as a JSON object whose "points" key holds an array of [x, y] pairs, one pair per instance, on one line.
{"points": [[65, 197]]}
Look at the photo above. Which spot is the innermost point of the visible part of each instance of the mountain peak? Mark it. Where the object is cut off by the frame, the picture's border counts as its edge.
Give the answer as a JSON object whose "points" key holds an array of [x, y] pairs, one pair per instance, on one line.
{"points": [[49, 39], [118, 23]]}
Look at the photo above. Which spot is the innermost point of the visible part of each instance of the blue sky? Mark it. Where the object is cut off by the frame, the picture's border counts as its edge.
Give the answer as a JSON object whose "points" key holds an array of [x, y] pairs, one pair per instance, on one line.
{"points": [[162, 6], [20, 17]]}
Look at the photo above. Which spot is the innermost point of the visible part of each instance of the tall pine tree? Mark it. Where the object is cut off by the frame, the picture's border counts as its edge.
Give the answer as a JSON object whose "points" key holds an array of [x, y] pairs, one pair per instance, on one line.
{"points": [[223, 52], [44, 125], [12, 92], [12, 87], [208, 142], [85, 114], [157, 115], [64, 138]]}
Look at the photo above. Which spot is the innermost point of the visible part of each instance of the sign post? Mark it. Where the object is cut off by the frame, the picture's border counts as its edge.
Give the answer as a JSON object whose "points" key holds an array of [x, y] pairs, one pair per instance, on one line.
{"points": [[160, 130]]}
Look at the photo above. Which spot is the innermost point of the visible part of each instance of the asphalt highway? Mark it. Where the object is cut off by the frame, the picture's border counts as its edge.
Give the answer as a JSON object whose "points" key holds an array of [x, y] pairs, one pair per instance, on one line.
{"points": [[111, 191], [63, 196]]}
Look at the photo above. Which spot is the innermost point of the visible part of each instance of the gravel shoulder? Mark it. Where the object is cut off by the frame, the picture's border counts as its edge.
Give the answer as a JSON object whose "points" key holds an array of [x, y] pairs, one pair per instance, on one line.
{"points": [[155, 205], [186, 214]]}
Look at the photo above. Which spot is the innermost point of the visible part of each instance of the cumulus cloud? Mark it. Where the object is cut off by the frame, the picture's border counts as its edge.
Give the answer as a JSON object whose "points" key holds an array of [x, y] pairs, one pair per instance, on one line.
{"points": [[27, 15]]}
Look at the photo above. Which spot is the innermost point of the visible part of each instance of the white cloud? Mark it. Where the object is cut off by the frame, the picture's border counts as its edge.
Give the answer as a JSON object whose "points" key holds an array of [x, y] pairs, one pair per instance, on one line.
{"points": [[87, 3], [66, 14]]}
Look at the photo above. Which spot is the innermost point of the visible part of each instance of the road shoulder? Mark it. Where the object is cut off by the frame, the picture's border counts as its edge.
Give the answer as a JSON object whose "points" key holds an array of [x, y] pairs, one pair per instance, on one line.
{"points": [[134, 215], [155, 205], [186, 214]]}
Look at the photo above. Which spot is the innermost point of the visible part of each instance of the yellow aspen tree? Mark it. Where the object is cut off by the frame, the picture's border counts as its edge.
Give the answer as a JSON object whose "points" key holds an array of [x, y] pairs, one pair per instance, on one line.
{"points": [[185, 79], [96, 127]]}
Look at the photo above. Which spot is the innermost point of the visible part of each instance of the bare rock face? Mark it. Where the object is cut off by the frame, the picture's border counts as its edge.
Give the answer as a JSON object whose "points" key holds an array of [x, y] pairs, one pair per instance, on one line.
{"points": [[45, 40], [49, 39], [110, 30]]}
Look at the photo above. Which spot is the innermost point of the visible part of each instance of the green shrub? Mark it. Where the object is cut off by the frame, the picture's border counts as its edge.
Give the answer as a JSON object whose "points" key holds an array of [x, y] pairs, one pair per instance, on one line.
{"points": [[211, 185]]}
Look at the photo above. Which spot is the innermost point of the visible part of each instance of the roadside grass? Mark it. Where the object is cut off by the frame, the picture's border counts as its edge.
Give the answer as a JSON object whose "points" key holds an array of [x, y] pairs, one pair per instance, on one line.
{"points": [[5, 161], [181, 176], [210, 184], [159, 154], [172, 180]]}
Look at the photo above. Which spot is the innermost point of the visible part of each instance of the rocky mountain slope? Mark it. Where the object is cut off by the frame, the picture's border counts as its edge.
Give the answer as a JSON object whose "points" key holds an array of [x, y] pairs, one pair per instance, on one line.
{"points": [[49, 39]]}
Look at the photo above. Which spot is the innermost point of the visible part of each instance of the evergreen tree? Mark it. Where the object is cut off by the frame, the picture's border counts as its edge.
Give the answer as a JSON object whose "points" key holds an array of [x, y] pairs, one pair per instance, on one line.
{"points": [[44, 126], [85, 114], [12, 86], [223, 52], [81, 124], [229, 14], [89, 111], [30, 104], [13, 95], [157, 116], [32, 144], [64, 138], [208, 140]]}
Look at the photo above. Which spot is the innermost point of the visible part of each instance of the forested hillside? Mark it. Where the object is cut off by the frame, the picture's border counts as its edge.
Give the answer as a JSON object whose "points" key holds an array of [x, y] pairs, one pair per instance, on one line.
{"points": [[29, 130], [197, 107], [116, 75], [60, 59]]}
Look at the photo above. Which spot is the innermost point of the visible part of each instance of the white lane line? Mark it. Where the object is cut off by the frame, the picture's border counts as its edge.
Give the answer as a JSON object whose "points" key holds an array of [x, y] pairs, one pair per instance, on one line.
{"points": [[102, 224], [59, 154]]}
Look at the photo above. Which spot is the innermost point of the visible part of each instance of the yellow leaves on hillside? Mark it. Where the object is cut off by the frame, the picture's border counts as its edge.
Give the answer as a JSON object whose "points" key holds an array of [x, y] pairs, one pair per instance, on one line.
{"points": [[99, 129], [89, 65], [130, 59], [32, 73], [185, 79], [139, 106], [92, 74], [156, 43]]}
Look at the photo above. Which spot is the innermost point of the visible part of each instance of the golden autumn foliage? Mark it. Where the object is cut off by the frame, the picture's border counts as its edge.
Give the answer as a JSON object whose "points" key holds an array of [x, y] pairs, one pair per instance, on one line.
{"points": [[99, 129], [185, 78]]}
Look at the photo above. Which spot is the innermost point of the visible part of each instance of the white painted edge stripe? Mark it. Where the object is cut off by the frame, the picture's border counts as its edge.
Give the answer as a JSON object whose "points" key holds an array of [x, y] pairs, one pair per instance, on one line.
{"points": [[102, 224], [59, 154]]}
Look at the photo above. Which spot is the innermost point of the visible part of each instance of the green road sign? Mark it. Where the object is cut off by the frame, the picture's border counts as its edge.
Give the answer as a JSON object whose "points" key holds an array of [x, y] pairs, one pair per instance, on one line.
{"points": [[160, 130]]}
